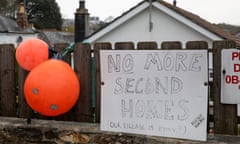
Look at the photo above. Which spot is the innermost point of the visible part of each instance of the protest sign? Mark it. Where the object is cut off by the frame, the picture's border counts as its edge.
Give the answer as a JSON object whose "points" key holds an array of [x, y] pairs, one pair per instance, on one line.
{"points": [[155, 92]]}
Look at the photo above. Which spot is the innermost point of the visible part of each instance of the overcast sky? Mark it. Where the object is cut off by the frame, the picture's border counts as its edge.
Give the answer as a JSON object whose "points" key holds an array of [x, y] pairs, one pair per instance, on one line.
{"points": [[214, 11]]}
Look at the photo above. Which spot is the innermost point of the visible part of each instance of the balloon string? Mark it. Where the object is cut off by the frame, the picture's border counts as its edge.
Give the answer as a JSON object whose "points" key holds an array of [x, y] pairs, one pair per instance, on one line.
{"points": [[68, 49]]}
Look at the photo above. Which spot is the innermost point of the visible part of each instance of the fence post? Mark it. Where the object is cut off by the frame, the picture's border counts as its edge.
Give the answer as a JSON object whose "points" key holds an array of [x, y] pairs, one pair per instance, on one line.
{"points": [[82, 67], [97, 76], [7, 79], [225, 115]]}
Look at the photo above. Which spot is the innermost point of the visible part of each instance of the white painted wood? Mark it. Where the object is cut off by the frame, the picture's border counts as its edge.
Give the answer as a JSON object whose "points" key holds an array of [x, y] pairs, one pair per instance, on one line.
{"points": [[167, 26]]}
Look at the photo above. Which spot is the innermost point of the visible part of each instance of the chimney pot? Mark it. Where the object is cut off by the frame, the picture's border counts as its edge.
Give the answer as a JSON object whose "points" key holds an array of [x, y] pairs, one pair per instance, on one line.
{"points": [[22, 18], [21, 8], [81, 22]]}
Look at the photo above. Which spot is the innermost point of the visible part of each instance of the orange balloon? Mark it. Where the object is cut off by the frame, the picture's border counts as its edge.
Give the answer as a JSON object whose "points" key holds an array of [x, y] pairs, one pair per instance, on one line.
{"points": [[52, 88], [31, 52]]}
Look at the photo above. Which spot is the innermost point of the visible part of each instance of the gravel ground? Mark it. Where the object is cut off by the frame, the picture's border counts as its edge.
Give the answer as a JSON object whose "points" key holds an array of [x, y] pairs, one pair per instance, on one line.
{"points": [[17, 131]]}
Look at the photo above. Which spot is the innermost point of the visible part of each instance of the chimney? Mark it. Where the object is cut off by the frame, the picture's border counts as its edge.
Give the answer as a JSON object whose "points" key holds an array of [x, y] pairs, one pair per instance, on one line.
{"points": [[174, 2], [21, 8], [22, 19], [81, 22]]}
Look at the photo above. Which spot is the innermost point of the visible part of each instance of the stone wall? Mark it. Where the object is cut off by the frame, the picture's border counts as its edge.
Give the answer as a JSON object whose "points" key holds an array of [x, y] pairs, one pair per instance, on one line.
{"points": [[17, 130]]}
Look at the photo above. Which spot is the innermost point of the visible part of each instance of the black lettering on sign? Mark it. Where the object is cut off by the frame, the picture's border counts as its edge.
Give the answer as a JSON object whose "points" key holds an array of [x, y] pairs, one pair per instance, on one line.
{"points": [[157, 85], [120, 63], [155, 109], [178, 62]]}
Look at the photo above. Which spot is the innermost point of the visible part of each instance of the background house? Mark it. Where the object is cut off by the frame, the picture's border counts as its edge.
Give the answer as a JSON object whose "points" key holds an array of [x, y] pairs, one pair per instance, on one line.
{"points": [[159, 21], [12, 33], [52, 37]]}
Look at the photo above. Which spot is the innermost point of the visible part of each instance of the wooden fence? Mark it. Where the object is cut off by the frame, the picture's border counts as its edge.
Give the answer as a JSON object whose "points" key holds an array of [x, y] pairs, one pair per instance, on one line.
{"points": [[12, 102]]}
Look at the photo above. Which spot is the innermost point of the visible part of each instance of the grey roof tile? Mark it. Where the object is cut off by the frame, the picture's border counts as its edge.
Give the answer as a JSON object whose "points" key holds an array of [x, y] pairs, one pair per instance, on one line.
{"points": [[7, 24]]}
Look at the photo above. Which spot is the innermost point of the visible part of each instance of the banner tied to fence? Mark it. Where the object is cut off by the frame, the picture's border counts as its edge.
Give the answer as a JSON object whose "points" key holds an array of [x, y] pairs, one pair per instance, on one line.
{"points": [[230, 76], [155, 92]]}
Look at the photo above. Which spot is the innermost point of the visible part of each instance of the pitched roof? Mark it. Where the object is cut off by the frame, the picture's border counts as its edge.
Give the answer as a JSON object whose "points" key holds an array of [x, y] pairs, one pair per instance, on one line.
{"points": [[188, 15], [53, 36], [202, 22], [7, 24]]}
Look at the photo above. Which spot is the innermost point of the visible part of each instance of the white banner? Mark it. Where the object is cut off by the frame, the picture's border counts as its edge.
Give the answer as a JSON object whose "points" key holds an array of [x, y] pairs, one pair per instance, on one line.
{"points": [[155, 92]]}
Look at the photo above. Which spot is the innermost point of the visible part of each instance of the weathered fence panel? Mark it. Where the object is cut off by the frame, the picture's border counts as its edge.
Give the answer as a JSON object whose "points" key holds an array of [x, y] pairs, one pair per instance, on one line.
{"points": [[82, 67], [69, 116], [124, 45], [225, 115], [197, 45], [147, 46], [7, 80], [171, 45], [60, 48]]}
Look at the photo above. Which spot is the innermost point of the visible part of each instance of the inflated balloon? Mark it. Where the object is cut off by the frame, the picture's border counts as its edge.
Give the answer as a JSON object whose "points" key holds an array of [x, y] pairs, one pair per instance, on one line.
{"points": [[52, 88], [31, 52]]}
